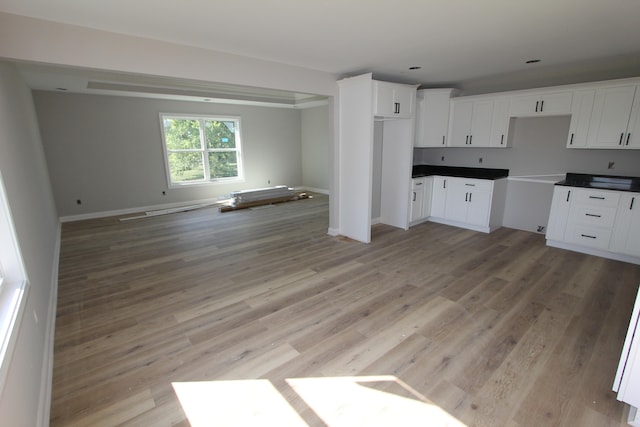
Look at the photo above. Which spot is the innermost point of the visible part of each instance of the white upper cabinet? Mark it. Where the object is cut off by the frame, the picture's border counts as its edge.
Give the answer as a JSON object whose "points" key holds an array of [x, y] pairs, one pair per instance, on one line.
{"points": [[614, 121], [471, 122], [393, 100], [581, 108], [536, 104], [500, 123], [432, 117]]}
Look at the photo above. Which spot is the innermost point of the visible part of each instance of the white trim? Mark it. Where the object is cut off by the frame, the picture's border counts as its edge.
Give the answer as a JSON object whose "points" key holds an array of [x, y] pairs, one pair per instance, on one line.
{"points": [[44, 409], [333, 232], [139, 209], [14, 307], [480, 228], [596, 252], [314, 189]]}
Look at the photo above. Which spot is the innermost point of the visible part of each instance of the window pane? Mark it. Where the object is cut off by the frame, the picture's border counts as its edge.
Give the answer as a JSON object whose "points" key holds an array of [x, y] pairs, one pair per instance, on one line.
{"points": [[223, 164], [182, 134], [220, 134], [186, 167]]}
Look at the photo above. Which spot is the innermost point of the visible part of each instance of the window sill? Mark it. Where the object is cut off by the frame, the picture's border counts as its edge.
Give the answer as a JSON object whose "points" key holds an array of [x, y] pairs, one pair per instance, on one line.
{"points": [[206, 183], [12, 301]]}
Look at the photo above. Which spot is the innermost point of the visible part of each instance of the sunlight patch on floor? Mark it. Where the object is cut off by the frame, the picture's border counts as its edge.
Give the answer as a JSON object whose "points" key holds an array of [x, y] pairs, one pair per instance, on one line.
{"points": [[339, 401]]}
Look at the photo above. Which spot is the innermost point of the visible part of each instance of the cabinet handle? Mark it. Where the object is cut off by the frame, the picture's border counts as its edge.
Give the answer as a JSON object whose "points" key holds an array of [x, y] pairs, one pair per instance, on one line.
{"points": [[470, 194], [414, 196], [597, 197], [593, 215], [466, 197], [621, 136], [502, 140], [631, 205], [470, 138], [443, 140], [541, 105], [628, 136], [444, 184], [397, 110], [568, 194], [466, 141], [470, 185], [590, 237], [418, 183], [571, 141], [537, 102]]}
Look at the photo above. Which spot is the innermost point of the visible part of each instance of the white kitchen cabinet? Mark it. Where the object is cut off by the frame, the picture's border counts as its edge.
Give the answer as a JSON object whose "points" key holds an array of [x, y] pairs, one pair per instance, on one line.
{"points": [[541, 104], [598, 222], [559, 214], [627, 380], [500, 123], [476, 204], [357, 131], [470, 124], [394, 100], [417, 199], [581, 108], [432, 117], [439, 196], [615, 120], [626, 233], [469, 201], [421, 189]]}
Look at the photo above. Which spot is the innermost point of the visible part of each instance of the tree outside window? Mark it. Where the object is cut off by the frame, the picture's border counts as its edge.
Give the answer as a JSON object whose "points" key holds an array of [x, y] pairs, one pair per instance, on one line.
{"points": [[201, 149]]}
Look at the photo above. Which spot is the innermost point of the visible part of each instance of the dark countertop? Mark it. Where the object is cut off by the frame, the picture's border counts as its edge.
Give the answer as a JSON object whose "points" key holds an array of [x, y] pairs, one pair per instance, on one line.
{"points": [[462, 172], [603, 182]]}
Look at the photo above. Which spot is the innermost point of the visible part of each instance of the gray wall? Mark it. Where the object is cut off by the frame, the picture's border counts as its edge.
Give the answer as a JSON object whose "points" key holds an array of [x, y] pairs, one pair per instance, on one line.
{"points": [[315, 148], [107, 150], [31, 205], [538, 147]]}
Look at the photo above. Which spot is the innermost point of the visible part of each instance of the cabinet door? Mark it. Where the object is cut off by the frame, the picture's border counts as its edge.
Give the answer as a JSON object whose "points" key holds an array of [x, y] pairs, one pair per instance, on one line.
{"points": [[417, 199], [610, 117], [457, 203], [404, 99], [581, 108], [555, 103], [383, 99], [500, 123], [626, 233], [633, 129], [439, 196], [481, 119], [479, 206], [426, 200], [460, 126], [432, 117], [524, 105], [559, 213]]}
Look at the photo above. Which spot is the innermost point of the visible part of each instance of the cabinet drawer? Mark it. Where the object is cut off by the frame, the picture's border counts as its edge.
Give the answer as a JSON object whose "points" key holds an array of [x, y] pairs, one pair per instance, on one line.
{"points": [[596, 198], [477, 184], [588, 236], [600, 216]]}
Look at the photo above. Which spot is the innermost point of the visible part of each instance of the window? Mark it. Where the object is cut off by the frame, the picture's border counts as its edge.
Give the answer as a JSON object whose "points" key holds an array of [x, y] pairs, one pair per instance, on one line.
{"points": [[201, 149], [13, 285]]}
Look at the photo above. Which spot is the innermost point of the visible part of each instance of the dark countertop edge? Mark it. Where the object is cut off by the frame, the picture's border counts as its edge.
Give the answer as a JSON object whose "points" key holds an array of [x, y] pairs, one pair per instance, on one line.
{"points": [[602, 182], [459, 171]]}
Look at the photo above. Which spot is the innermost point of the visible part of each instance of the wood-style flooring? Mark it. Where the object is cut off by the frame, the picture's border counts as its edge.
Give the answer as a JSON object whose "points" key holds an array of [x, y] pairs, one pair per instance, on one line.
{"points": [[267, 320]]}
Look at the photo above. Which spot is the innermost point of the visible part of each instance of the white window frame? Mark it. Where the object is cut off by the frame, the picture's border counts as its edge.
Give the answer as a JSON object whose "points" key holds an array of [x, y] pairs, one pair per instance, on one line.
{"points": [[13, 286], [203, 150]]}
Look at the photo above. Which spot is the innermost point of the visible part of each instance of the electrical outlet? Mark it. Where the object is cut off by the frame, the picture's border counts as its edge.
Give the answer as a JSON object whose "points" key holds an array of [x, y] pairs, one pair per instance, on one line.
{"points": [[480, 160], [164, 193], [611, 165], [442, 158]]}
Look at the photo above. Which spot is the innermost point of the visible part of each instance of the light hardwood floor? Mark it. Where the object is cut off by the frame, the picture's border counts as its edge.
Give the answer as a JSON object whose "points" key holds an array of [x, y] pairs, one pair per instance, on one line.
{"points": [[253, 309]]}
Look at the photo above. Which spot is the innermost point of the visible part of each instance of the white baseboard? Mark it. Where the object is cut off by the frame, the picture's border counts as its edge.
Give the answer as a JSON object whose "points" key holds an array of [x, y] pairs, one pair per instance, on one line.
{"points": [[44, 404], [313, 189], [129, 211], [596, 252]]}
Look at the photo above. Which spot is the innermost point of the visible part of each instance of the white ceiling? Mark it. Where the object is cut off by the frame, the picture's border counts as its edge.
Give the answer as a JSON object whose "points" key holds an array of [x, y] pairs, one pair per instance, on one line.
{"points": [[478, 46]]}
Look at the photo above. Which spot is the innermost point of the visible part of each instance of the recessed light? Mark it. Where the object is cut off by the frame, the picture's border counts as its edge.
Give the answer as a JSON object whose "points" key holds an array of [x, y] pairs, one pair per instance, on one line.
{"points": [[532, 61], [415, 67]]}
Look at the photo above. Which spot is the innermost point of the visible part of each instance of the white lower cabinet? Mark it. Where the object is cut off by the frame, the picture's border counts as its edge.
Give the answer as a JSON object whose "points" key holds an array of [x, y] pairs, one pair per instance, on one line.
{"points": [[476, 204], [420, 199], [599, 222]]}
